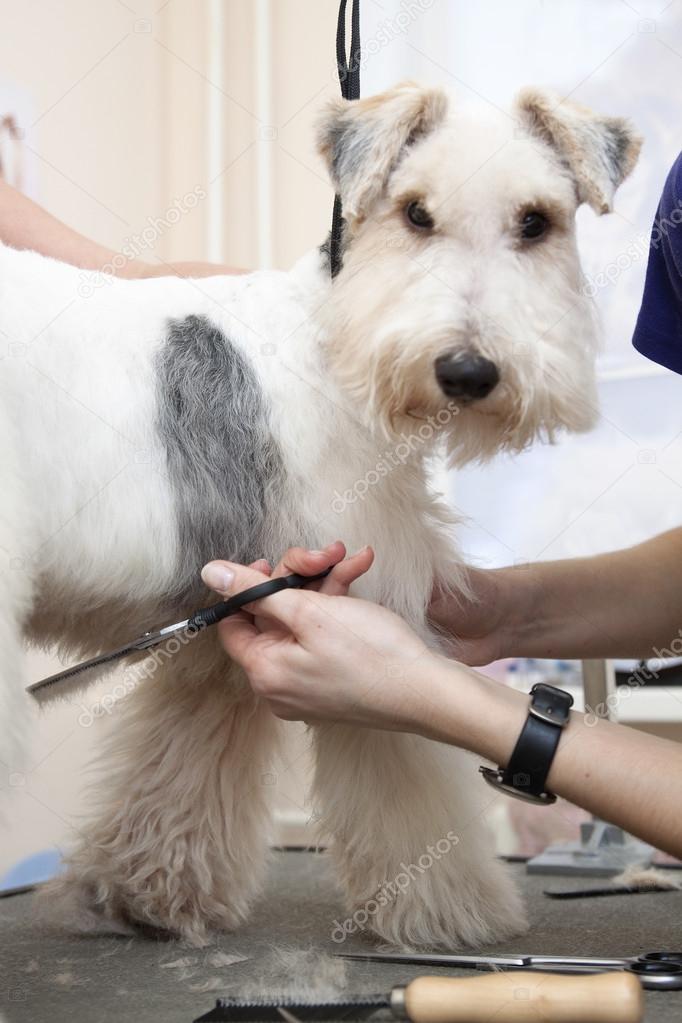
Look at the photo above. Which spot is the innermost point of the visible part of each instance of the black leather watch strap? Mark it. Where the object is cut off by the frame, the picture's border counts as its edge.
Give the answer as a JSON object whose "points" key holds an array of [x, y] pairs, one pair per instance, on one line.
{"points": [[526, 773]]}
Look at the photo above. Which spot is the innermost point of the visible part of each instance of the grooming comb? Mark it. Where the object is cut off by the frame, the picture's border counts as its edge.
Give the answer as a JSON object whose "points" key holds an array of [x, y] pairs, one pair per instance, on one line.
{"points": [[502, 997]]}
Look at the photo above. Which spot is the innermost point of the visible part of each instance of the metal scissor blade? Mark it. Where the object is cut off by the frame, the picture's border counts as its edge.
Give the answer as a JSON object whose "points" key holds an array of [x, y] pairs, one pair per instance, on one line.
{"points": [[82, 675], [471, 962]]}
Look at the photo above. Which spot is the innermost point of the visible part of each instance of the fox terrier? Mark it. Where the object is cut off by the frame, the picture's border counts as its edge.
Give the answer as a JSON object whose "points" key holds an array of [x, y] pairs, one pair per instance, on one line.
{"points": [[152, 425]]}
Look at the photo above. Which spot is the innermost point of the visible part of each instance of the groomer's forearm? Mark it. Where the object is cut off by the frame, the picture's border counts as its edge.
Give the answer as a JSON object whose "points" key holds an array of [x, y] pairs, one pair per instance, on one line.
{"points": [[617, 773], [624, 604], [26, 225]]}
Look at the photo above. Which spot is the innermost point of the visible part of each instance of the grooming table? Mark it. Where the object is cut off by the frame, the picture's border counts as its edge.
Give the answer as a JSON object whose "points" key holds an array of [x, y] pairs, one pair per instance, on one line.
{"points": [[48, 977]]}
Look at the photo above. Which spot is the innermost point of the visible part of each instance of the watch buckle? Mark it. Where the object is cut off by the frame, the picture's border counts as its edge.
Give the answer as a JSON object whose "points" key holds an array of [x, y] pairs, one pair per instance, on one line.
{"points": [[546, 715]]}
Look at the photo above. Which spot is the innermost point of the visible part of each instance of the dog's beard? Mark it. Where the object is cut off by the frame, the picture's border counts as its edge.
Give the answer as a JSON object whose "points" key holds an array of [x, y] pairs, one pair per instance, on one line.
{"points": [[390, 380], [525, 408], [396, 390]]}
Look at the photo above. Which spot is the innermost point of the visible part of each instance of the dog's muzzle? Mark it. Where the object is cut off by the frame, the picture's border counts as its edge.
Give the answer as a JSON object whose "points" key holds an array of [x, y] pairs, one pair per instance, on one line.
{"points": [[466, 375]]}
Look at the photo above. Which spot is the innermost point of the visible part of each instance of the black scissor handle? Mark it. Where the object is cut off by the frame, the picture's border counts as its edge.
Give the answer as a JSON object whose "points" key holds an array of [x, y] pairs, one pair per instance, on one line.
{"points": [[216, 613], [661, 957], [654, 966], [657, 974]]}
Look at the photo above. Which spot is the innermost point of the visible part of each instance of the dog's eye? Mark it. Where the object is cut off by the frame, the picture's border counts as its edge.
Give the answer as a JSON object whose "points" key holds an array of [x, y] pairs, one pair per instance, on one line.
{"points": [[533, 224], [419, 216]]}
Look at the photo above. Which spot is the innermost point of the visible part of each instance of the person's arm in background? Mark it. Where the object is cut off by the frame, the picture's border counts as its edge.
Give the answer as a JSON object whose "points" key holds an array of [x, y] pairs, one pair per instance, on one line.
{"points": [[325, 657], [623, 604], [26, 225]]}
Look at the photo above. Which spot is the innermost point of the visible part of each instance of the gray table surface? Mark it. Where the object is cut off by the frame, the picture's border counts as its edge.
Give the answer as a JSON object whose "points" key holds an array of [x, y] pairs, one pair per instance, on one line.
{"points": [[49, 976]]}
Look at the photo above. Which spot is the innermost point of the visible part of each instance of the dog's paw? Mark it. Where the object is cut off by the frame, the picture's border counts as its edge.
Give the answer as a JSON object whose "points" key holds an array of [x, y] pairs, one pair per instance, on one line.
{"points": [[101, 906], [441, 909], [70, 905]]}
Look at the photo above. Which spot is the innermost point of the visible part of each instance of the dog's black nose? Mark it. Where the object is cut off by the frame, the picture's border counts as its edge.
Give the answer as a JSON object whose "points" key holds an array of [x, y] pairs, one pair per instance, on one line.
{"points": [[466, 375]]}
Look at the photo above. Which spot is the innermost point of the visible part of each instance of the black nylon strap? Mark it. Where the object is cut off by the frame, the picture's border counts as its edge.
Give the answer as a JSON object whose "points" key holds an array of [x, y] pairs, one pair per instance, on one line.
{"points": [[349, 80], [349, 73], [335, 238]]}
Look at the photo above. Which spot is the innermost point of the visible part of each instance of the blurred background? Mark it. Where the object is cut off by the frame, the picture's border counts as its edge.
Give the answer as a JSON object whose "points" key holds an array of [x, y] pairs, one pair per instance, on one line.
{"points": [[113, 111]]}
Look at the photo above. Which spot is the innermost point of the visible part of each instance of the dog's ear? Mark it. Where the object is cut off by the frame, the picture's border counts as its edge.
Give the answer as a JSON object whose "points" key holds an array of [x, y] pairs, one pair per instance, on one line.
{"points": [[599, 151], [363, 140]]}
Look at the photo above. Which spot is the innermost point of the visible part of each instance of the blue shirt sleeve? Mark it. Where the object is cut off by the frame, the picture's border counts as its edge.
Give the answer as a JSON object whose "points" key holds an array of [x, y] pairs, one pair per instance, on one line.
{"points": [[658, 333]]}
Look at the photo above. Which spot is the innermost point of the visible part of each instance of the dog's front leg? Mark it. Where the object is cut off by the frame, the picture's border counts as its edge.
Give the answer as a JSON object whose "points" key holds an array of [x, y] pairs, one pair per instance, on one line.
{"points": [[179, 839], [407, 838]]}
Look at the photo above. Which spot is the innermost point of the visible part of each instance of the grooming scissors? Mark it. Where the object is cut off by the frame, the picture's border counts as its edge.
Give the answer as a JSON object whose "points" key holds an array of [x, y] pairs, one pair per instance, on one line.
{"points": [[196, 622], [657, 971]]}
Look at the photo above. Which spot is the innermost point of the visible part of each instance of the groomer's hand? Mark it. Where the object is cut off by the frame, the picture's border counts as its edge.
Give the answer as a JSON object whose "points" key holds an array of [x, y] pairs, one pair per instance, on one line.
{"points": [[319, 655], [477, 627]]}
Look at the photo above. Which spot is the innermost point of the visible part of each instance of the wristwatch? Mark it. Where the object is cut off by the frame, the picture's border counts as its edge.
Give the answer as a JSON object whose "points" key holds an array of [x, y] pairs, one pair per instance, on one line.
{"points": [[526, 773]]}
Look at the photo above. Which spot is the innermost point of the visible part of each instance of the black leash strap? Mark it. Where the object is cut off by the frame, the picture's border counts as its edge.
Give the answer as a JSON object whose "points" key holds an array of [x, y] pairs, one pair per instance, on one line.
{"points": [[349, 79], [349, 74]]}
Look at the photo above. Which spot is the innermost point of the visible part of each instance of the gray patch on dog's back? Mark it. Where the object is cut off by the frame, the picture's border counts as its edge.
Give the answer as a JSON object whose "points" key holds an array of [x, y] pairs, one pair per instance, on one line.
{"points": [[224, 465]]}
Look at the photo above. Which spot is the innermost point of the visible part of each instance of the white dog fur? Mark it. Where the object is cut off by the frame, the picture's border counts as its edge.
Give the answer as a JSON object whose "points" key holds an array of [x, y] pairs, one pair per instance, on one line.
{"points": [[149, 426]]}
